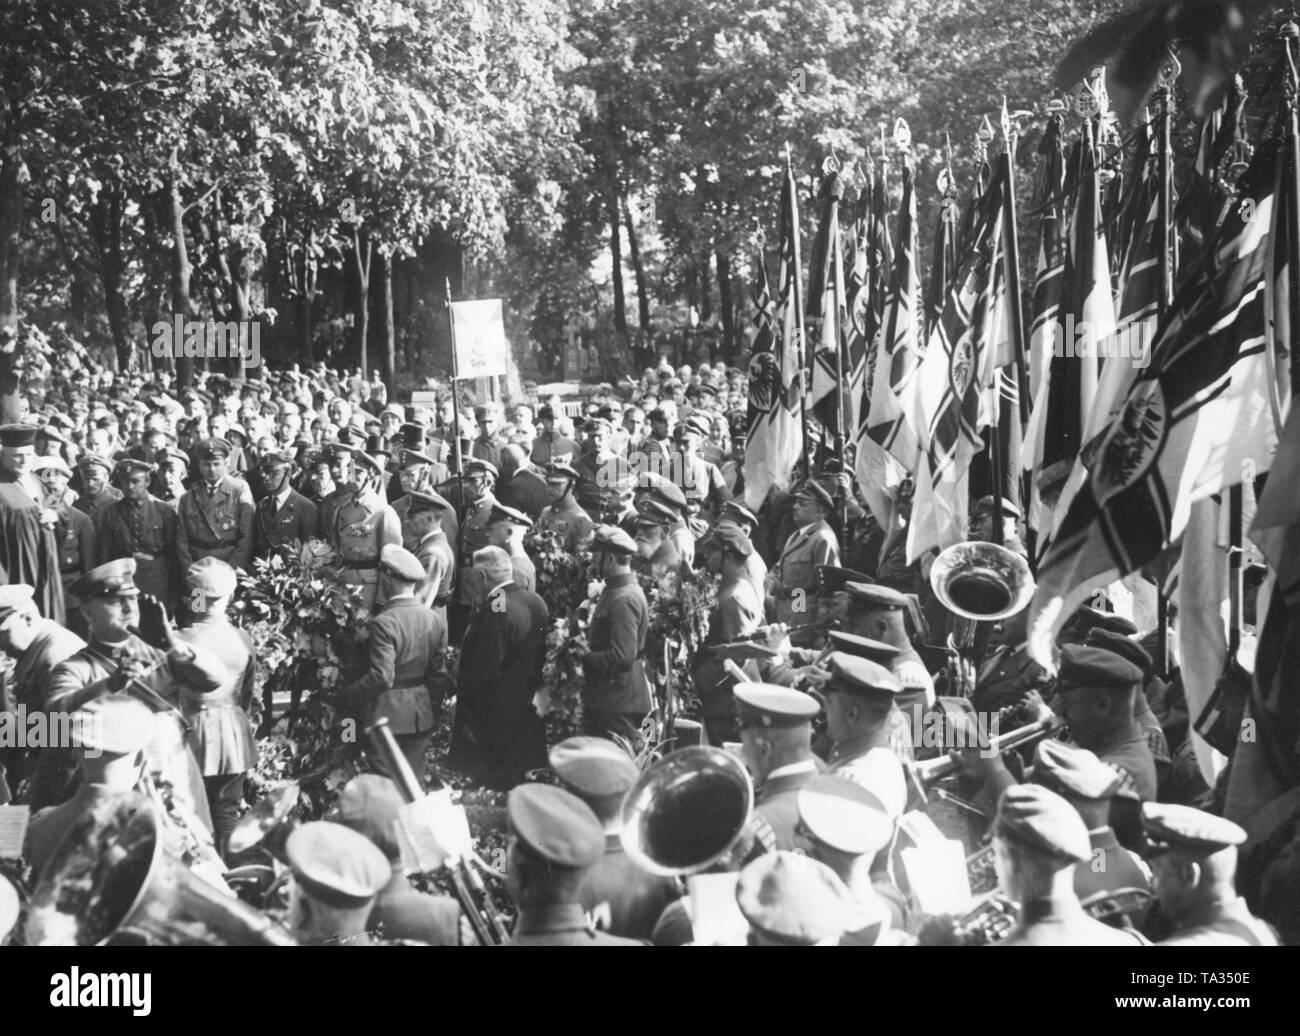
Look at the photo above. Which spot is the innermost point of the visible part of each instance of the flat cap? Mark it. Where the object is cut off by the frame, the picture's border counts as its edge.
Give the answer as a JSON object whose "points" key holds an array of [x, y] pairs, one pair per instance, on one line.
{"points": [[864, 647], [213, 447], [427, 500], [1033, 816], [212, 576], [370, 463], [17, 435], [14, 595], [612, 539], [113, 579], [172, 455], [1010, 509], [484, 410], [854, 675], [597, 424], [1169, 827], [370, 805], [1074, 772], [113, 725], [335, 864], [738, 513], [730, 538], [501, 513], [276, 458], [593, 767], [1083, 666], [1119, 644], [844, 816], [555, 824], [811, 490], [662, 489], [796, 900], [833, 579], [399, 562], [485, 467], [769, 705], [875, 597]]}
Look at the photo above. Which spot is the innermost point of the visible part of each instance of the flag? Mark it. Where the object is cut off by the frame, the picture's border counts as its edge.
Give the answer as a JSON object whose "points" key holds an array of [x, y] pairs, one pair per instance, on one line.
{"points": [[1049, 286], [1069, 391], [887, 446], [776, 439], [826, 308], [1202, 206], [1190, 422], [943, 258], [949, 401]]}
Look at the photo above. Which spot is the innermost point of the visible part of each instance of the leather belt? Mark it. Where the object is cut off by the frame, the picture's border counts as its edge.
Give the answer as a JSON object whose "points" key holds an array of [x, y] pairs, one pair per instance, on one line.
{"points": [[408, 685]]}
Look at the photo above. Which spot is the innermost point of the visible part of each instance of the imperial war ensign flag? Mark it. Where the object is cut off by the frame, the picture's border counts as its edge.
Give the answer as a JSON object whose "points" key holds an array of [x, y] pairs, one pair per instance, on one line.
{"points": [[479, 334]]}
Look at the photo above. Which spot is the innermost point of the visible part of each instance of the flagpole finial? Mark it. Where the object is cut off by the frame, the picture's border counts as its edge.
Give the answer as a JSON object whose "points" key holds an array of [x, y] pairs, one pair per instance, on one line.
{"points": [[902, 135], [1170, 69]]}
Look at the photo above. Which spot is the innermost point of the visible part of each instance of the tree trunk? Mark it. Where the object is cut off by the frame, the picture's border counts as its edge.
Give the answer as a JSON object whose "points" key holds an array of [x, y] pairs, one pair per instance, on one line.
{"points": [[13, 192], [724, 304], [362, 252], [302, 273], [180, 269], [634, 248], [390, 336], [616, 255], [106, 228], [706, 297]]}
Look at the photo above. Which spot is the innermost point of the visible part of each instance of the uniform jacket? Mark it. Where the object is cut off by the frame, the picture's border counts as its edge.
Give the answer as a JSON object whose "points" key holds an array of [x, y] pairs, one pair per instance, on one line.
{"points": [[148, 531], [570, 522], [407, 674], [561, 925], [615, 669], [1111, 868], [869, 761], [526, 491], [216, 524], [434, 553], [1043, 924], [497, 731], [75, 533], [91, 508], [51, 644], [1222, 924], [737, 614], [473, 536], [665, 559], [547, 447], [796, 569], [621, 898], [450, 526], [525, 572], [778, 803], [402, 913], [296, 522], [488, 448]]}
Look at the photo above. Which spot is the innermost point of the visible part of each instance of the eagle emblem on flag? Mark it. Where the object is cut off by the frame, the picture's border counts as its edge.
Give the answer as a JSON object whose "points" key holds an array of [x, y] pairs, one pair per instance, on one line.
{"points": [[1133, 444]]}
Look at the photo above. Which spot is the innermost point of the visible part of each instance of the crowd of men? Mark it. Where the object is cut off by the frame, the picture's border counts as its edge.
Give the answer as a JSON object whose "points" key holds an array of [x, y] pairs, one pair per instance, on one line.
{"points": [[127, 508]]}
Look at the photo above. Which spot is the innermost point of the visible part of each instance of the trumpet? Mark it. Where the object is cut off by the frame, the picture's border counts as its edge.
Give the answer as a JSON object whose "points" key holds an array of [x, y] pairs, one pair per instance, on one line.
{"points": [[926, 773], [484, 919], [991, 919]]}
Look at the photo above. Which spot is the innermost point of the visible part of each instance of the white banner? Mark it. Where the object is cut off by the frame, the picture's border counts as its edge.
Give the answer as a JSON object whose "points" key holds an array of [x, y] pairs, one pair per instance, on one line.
{"points": [[479, 334]]}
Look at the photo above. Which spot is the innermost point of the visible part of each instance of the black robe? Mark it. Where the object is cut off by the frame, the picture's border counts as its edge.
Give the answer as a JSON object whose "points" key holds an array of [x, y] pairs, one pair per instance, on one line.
{"points": [[29, 552]]}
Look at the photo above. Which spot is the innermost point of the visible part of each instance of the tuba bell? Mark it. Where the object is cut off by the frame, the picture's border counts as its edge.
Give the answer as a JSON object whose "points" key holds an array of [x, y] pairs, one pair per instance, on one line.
{"points": [[687, 811], [114, 878], [981, 581]]}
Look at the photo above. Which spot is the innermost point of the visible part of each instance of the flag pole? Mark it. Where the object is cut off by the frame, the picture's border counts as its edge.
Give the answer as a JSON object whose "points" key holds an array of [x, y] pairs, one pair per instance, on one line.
{"points": [[796, 273], [455, 406], [1164, 300], [1011, 262]]}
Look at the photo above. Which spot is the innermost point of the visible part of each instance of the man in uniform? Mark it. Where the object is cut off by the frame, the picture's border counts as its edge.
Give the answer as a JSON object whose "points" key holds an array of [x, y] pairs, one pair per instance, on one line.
{"points": [[563, 515], [737, 514], [550, 447], [341, 474], [141, 527], [700, 481], [337, 876], [406, 681], [74, 531], [425, 513], [555, 839], [1038, 841], [370, 805], [498, 735], [505, 529], [618, 896], [860, 721], [96, 493], [792, 582], [169, 480], [419, 472], [216, 516], [877, 612], [479, 482], [363, 524], [115, 660], [655, 551], [776, 736], [488, 443], [843, 825], [616, 696], [283, 517], [1193, 858]]}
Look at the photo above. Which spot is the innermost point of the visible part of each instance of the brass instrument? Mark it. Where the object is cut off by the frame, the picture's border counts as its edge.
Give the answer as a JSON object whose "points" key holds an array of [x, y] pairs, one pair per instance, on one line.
{"points": [[977, 582], [990, 920], [265, 827], [484, 919], [925, 773], [687, 811], [114, 878]]}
